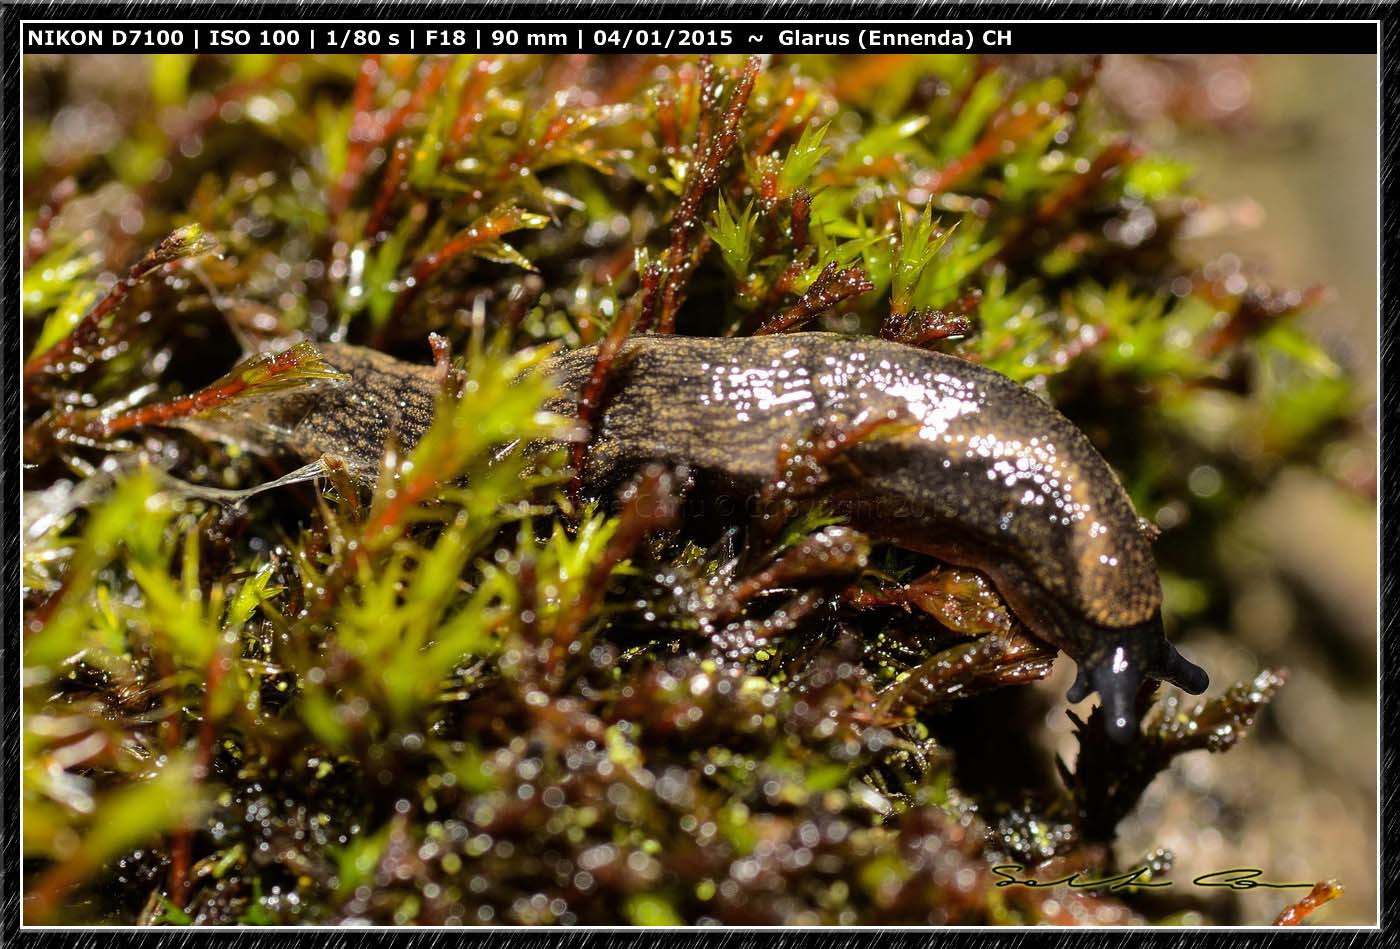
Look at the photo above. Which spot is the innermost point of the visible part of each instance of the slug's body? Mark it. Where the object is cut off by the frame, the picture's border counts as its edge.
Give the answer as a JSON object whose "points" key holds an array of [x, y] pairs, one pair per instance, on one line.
{"points": [[985, 475]]}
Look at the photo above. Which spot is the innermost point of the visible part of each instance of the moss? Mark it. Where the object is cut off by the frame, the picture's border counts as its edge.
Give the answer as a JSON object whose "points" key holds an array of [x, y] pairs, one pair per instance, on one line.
{"points": [[468, 696]]}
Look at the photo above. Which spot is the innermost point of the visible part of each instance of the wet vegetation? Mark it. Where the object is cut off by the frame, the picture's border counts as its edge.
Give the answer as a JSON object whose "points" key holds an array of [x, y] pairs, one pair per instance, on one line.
{"points": [[471, 693]]}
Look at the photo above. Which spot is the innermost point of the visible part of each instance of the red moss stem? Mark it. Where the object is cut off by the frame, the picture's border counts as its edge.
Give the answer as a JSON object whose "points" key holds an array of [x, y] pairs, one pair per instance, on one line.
{"points": [[368, 130], [591, 395], [785, 119], [259, 372], [87, 337], [389, 188], [361, 133], [496, 224], [1320, 895], [712, 148], [649, 504], [1007, 129], [1082, 186], [831, 287], [801, 219], [431, 82], [469, 114]]}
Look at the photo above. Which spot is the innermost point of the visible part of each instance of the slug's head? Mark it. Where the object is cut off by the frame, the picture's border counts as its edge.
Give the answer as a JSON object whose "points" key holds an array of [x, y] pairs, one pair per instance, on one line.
{"points": [[1120, 661]]}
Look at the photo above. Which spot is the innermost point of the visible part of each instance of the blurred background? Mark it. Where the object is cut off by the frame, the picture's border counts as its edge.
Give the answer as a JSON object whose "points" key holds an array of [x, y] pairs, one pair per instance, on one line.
{"points": [[1288, 145]]}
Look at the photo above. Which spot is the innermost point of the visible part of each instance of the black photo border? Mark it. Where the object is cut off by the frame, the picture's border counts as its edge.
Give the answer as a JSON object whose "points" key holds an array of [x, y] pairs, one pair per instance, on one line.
{"points": [[1263, 22]]}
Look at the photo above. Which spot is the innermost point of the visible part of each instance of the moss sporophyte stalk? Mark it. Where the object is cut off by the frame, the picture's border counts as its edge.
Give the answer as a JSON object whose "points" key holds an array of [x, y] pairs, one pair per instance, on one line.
{"points": [[515, 489]]}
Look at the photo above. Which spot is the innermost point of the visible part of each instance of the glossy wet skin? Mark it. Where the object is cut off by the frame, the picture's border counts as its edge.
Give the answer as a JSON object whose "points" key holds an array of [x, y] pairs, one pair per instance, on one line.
{"points": [[984, 474]]}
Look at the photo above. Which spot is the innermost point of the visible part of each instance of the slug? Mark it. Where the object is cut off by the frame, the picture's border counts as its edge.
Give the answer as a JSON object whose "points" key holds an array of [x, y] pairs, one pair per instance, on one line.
{"points": [[986, 475]]}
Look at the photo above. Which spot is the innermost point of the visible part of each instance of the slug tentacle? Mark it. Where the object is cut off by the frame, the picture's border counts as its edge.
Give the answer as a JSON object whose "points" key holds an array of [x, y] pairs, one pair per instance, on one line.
{"points": [[1116, 664], [1182, 672]]}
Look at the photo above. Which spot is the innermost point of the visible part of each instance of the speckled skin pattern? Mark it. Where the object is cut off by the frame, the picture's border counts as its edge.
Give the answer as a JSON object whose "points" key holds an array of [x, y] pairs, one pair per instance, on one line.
{"points": [[350, 421], [984, 474]]}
